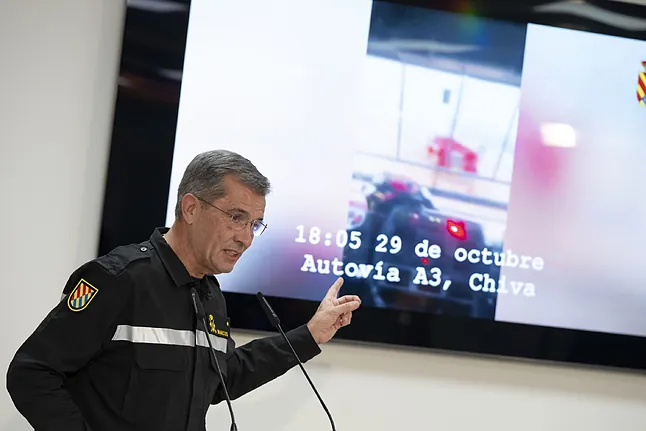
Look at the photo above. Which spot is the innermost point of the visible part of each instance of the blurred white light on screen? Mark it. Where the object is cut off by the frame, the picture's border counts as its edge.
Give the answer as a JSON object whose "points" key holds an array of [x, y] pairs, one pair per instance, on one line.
{"points": [[558, 135]]}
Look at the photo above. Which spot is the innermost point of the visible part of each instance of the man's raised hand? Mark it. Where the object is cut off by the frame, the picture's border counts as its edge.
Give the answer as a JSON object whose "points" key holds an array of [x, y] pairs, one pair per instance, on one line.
{"points": [[333, 313]]}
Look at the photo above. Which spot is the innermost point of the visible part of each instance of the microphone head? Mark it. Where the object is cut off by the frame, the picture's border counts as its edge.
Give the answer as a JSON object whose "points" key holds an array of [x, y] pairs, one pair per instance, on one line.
{"points": [[197, 303], [271, 315]]}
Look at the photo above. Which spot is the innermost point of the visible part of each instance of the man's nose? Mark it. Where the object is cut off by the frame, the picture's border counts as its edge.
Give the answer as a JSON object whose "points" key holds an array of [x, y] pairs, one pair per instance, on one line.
{"points": [[245, 237]]}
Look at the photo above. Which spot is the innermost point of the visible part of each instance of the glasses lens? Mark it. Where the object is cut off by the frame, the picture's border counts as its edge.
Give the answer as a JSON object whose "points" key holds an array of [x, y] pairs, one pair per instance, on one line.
{"points": [[257, 228]]}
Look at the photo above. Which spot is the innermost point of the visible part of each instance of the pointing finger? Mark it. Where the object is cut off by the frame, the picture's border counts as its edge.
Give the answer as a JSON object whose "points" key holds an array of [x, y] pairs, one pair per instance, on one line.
{"points": [[334, 289]]}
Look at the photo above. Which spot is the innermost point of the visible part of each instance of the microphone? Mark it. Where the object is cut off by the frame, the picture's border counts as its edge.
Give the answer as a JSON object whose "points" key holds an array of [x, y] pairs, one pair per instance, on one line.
{"points": [[275, 322], [201, 317]]}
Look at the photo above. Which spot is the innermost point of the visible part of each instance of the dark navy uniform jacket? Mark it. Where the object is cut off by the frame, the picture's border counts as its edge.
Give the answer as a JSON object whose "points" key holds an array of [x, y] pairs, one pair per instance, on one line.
{"points": [[122, 350]]}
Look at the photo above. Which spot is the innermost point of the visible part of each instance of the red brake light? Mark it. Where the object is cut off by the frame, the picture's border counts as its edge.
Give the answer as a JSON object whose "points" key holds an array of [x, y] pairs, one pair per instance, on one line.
{"points": [[456, 229]]}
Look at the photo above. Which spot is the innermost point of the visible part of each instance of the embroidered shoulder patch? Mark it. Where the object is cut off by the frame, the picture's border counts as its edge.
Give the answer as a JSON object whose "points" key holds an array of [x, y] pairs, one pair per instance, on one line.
{"points": [[81, 296]]}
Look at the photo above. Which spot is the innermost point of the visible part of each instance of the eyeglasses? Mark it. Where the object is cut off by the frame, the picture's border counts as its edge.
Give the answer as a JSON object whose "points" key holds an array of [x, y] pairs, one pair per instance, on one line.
{"points": [[238, 221]]}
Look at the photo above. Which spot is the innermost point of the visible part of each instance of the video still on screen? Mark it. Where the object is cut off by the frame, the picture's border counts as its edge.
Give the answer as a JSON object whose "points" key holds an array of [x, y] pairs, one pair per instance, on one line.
{"points": [[439, 162], [433, 165]]}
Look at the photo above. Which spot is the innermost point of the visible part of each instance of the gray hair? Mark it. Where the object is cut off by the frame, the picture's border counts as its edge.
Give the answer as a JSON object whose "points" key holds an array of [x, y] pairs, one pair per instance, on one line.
{"points": [[203, 176]]}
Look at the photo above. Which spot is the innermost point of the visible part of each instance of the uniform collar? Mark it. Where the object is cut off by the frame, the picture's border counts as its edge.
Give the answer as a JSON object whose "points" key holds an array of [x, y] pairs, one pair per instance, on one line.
{"points": [[173, 265]]}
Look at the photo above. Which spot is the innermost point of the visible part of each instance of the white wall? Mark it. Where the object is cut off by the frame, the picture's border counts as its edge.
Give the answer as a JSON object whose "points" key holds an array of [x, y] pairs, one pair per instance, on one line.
{"points": [[58, 63]]}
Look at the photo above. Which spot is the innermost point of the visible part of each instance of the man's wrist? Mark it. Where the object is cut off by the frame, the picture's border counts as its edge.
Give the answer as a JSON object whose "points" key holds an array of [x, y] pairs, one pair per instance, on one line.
{"points": [[304, 343], [310, 327]]}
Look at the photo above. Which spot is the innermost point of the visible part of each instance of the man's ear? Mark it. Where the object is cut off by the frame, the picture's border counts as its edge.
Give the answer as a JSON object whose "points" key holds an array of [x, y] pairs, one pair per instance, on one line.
{"points": [[189, 208]]}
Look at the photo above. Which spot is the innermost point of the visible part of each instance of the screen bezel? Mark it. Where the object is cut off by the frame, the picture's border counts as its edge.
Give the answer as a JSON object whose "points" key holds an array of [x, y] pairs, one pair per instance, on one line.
{"points": [[136, 197]]}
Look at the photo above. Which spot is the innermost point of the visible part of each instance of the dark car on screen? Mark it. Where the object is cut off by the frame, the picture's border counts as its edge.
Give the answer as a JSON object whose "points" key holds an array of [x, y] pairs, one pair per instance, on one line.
{"points": [[394, 214]]}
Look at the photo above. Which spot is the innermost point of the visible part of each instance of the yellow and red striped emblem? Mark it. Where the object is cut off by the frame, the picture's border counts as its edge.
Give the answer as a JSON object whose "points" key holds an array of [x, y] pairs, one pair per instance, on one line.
{"points": [[641, 86], [81, 296]]}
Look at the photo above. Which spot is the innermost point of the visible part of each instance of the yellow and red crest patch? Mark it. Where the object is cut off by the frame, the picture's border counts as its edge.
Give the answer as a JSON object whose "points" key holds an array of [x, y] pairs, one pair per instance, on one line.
{"points": [[81, 296], [641, 86]]}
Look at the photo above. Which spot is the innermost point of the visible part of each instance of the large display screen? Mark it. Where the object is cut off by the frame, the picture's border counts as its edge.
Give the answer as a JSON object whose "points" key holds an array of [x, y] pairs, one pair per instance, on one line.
{"points": [[471, 169], [440, 162]]}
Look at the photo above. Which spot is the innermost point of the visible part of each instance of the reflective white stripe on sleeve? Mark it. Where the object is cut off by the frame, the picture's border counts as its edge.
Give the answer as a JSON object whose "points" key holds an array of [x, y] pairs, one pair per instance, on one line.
{"points": [[173, 337], [218, 343]]}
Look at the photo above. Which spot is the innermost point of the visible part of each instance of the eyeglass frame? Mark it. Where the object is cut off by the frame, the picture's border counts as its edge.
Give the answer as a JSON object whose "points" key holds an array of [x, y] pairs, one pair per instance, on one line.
{"points": [[232, 216]]}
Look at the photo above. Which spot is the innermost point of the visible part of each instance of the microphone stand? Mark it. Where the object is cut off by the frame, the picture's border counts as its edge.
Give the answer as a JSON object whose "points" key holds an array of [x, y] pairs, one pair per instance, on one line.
{"points": [[275, 322], [201, 317]]}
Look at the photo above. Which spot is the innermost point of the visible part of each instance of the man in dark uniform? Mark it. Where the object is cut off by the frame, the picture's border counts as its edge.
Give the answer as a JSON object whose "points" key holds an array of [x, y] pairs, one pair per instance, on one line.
{"points": [[123, 350]]}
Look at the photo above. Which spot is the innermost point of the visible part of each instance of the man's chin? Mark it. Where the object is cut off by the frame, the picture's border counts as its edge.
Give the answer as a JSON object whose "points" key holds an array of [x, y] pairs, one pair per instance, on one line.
{"points": [[225, 263], [224, 267]]}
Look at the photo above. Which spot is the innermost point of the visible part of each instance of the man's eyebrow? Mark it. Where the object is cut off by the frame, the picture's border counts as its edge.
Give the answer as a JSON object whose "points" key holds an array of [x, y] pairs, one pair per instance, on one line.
{"points": [[239, 211], [244, 212]]}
